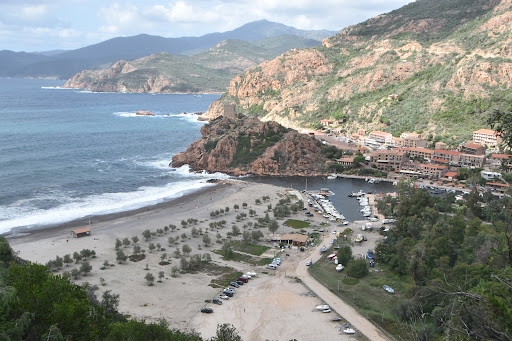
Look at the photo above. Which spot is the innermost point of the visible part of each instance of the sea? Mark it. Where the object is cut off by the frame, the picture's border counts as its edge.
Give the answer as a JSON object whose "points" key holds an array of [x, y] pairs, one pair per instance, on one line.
{"points": [[67, 154]]}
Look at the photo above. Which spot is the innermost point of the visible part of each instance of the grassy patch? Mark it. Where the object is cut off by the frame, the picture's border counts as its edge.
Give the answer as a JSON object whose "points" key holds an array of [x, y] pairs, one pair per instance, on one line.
{"points": [[224, 276], [253, 249], [297, 224], [367, 295], [241, 257]]}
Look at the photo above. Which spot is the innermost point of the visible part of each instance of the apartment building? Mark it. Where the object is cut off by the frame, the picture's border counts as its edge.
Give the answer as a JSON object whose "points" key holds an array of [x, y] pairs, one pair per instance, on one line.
{"points": [[472, 161], [424, 153], [472, 148], [497, 161], [387, 159], [446, 157], [486, 137], [380, 136], [423, 170]]}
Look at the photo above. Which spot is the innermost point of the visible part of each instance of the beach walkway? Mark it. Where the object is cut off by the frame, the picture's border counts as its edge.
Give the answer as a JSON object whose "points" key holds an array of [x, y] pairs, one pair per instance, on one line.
{"points": [[364, 326]]}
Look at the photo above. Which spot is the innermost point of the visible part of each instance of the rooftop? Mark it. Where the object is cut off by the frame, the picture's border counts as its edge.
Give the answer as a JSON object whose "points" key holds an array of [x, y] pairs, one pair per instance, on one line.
{"points": [[485, 131]]}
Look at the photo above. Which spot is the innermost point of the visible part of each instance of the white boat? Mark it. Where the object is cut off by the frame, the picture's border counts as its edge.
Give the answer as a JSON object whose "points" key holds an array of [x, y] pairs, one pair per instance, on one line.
{"points": [[349, 331], [340, 267], [332, 177], [322, 307]]}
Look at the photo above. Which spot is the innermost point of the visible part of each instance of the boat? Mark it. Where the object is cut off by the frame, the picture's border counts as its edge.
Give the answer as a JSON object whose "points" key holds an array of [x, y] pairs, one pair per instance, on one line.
{"points": [[356, 194], [322, 307], [326, 311], [339, 267], [349, 331], [388, 289], [332, 177]]}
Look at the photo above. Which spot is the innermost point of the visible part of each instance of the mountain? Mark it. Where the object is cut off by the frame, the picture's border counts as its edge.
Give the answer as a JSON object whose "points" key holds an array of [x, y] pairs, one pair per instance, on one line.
{"points": [[437, 66], [65, 64], [206, 72]]}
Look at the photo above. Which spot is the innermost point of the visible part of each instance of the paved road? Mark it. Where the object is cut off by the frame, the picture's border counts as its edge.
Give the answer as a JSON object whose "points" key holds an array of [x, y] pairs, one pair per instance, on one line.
{"points": [[337, 304]]}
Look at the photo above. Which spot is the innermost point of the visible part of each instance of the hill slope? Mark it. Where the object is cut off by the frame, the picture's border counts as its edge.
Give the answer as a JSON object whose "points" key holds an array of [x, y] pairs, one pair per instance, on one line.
{"points": [[207, 72], [436, 66], [68, 63]]}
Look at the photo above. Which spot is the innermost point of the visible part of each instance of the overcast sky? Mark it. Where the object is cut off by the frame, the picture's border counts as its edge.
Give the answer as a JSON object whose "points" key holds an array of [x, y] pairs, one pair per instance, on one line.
{"points": [[42, 25]]}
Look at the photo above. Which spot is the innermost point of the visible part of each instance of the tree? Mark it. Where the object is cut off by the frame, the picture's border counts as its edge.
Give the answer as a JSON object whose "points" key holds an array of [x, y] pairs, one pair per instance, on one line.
{"points": [[68, 259], [358, 160], [256, 235], [119, 243], [206, 257], [226, 250], [257, 202], [109, 301], [226, 332], [136, 249], [59, 262], [273, 226], [76, 257], [161, 275], [501, 122], [357, 268], [121, 257], [171, 241], [207, 240], [85, 268], [246, 237], [172, 227], [149, 278], [186, 249], [244, 205], [75, 273], [126, 242], [151, 247], [105, 263], [135, 239], [174, 271], [235, 230], [184, 223], [195, 232], [236, 207], [226, 209], [146, 234], [344, 255]]}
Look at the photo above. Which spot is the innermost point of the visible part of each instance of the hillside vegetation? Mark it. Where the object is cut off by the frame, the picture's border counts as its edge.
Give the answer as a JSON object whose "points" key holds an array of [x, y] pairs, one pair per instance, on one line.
{"points": [[446, 63], [206, 72]]}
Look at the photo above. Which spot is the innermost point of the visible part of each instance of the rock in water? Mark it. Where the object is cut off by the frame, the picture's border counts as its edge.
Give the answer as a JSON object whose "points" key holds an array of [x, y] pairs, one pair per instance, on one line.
{"points": [[144, 113]]}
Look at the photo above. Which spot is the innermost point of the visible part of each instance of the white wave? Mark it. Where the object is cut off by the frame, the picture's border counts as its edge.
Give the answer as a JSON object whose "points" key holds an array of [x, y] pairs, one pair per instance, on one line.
{"points": [[56, 88], [13, 217]]}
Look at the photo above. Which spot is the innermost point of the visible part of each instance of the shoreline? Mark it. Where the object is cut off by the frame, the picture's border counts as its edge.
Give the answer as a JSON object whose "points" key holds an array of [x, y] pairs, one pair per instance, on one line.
{"points": [[45, 230]]}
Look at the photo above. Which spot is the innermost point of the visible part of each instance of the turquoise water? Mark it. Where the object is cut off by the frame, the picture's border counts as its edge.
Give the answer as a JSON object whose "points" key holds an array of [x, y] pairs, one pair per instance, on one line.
{"points": [[67, 154]]}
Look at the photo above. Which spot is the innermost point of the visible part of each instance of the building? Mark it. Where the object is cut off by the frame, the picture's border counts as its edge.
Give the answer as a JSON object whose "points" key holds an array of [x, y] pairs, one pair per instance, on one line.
{"points": [[490, 175], [327, 123], [423, 170], [451, 176], [414, 142], [497, 187], [473, 161], [295, 239], [346, 161], [424, 153], [387, 159], [499, 161], [409, 135], [380, 136], [446, 157], [441, 145], [486, 137], [472, 148], [82, 232]]}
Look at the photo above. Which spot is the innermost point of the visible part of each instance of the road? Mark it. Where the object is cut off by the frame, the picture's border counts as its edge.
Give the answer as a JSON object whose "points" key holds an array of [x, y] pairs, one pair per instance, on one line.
{"points": [[364, 326]]}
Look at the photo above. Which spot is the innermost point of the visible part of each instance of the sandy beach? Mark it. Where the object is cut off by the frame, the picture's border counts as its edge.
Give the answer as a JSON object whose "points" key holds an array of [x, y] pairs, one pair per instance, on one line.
{"points": [[271, 306]]}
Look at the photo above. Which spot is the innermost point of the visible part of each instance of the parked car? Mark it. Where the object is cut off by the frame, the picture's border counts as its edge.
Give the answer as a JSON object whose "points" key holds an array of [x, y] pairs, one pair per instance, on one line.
{"points": [[224, 296], [243, 279], [217, 301], [271, 266], [240, 282], [207, 310], [309, 263], [234, 284]]}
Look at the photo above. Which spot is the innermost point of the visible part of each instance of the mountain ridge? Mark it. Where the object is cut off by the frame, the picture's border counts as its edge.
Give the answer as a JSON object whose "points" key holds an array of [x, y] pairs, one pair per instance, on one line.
{"points": [[66, 64], [442, 83]]}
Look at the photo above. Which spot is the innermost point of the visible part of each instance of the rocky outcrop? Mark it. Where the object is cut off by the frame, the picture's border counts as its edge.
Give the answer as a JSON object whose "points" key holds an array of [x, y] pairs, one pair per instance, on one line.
{"points": [[244, 145], [144, 113]]}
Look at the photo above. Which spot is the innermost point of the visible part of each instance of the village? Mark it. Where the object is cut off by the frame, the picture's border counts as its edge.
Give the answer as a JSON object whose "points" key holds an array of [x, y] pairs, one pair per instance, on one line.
{"points": [[409, 156]]}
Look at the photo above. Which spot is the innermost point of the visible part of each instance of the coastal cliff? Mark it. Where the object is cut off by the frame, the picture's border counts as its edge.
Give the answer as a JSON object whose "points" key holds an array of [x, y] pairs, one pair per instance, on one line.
{"points": [[242, 145], [437, 66]]}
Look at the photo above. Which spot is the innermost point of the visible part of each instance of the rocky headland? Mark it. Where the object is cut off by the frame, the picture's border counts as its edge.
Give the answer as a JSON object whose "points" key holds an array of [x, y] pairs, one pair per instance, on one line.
{"points": [[242, 145]]}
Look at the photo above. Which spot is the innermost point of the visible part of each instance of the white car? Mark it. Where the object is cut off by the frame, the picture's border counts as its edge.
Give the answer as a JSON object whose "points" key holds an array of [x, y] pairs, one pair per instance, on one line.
{"points": [[224, 297]]}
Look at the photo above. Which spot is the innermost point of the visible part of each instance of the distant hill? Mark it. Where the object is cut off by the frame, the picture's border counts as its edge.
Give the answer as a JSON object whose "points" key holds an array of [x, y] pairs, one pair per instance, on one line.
{"points": [[436, 66], [66, 64], [206, 72]]}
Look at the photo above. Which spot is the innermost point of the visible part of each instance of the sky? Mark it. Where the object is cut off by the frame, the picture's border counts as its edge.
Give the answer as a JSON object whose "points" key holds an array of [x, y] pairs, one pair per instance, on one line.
{"points": [[44, 25]]}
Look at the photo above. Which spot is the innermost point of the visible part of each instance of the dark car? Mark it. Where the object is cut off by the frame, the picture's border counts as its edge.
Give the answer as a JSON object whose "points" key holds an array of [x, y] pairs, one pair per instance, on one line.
{"points": [[239, 283], [207, 310], [234, 284], [243, 279], [217, 301]]}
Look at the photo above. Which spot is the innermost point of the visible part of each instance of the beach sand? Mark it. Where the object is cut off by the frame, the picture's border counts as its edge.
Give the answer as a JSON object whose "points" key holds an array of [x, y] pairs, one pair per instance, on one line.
{"points": [[271, 306]]}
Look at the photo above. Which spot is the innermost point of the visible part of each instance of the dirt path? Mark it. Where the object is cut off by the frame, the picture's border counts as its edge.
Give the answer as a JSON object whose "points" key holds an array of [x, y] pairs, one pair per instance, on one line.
{"points": [[336, 303]]}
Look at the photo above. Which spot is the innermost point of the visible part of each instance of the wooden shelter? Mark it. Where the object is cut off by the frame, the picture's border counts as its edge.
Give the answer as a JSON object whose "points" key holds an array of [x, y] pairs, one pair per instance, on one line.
{"points": [[82, 232]]}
